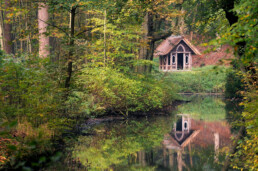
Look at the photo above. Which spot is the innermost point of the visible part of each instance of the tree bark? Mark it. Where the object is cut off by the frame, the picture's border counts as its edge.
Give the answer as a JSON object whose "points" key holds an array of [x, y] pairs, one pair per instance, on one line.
{"points": [[191, 27], [71, 48], [182, 22], [147, 33], [7, 29], [42, 26], [1, 31]]}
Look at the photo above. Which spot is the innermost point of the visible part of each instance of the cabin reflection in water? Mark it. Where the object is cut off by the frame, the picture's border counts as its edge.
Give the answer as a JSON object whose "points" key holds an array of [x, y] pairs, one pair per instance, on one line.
{"points": [[188, 133]]}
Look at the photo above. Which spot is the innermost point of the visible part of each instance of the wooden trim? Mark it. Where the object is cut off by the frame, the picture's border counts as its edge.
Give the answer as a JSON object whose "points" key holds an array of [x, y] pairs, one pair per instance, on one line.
{"points": [[189, 139], [183, 61], [166, 62], [181, 46]]}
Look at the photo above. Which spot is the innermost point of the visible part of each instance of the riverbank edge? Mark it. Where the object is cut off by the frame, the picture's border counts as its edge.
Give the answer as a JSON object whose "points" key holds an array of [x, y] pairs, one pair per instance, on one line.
{"points": [[186, 93]]}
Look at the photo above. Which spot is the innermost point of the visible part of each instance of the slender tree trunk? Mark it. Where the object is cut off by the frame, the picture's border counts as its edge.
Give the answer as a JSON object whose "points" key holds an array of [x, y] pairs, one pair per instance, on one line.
{"points": [[71, 48], [147, 36], [7, 29], [147, 46], [1, 32], [182, 22], [28, 40], [192, 29], [42, 26], [105, 43]]}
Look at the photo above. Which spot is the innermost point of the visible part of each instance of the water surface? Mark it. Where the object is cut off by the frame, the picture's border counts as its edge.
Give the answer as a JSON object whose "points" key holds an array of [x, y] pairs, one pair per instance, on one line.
{"points": [[195, 136]]}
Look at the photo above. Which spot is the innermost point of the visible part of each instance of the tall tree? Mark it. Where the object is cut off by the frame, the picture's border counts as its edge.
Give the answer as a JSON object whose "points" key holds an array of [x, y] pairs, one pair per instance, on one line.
{"points": [[1, 31], [71, 44], [7, 28], [42, 26]]}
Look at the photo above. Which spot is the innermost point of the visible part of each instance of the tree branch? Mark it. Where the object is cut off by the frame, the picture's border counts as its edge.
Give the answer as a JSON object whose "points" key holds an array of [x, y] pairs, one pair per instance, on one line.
{"points": [[158, 37], [89, 29], [52, 25]]}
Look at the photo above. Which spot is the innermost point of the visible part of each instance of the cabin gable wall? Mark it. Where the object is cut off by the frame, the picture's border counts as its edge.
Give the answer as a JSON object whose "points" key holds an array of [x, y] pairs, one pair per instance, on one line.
{"points": [[187, 48]]}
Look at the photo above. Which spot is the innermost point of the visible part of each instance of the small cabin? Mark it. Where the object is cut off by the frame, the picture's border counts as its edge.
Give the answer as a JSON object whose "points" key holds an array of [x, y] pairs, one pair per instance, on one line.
{"points": [[175, 53]]}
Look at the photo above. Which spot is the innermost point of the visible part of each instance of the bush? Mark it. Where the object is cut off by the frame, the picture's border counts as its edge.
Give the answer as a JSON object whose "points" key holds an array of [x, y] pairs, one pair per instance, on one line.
{"points": [[29, 97], [106, 89], [234, 85], [27, 89]]}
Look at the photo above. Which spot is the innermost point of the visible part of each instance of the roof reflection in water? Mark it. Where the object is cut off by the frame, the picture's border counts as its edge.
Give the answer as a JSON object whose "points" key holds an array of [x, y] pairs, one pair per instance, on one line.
{"points": [[188, 132]]}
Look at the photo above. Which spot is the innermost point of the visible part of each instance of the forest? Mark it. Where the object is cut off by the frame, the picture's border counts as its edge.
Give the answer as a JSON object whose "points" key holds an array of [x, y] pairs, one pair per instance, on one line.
{"points": [[65, 62]]}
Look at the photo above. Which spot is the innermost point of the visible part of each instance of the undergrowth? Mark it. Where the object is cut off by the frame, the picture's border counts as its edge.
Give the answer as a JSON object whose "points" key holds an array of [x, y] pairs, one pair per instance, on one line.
{"points": [[208, 79]]}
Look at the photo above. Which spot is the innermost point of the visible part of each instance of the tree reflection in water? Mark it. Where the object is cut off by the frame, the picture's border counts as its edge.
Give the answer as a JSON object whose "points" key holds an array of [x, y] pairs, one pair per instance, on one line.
{"points": [[156, 143]]}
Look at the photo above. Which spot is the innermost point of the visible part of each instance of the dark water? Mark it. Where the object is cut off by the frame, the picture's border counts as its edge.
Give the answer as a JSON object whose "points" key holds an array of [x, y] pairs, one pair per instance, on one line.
{"points": [[193, 137]]}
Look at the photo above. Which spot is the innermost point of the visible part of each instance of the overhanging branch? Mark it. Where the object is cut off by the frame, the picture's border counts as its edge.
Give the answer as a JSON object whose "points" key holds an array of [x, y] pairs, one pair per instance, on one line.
{"points": [[52, 25], [89, 29], [158, 37]]}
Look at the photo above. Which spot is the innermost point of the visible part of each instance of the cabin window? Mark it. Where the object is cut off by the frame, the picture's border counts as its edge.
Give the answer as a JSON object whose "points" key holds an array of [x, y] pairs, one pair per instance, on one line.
{"points": [[164, 60], [187, 59], [185, 125], [173, 59], [168, 59]]}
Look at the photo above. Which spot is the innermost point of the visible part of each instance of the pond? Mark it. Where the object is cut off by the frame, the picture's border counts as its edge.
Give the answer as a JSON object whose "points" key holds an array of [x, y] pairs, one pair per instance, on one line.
{"points": [[195, 136]]}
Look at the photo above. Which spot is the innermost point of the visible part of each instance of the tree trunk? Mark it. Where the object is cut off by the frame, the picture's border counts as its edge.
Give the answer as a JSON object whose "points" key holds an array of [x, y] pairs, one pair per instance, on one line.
{"points": [[42, 26], [147, 49], [71, 48], [7, 29], [147, 34], [191, 27], [148, 41], [182, 22], [1, 31]]}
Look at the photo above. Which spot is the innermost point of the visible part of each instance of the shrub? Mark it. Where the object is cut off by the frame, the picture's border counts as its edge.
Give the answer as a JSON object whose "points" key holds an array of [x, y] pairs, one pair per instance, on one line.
{"points": [[29, 95], [106, 89]]}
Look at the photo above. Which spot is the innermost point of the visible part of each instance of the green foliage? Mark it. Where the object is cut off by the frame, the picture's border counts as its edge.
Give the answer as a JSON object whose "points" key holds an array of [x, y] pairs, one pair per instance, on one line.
{"points": [[243, 36], [234, 85], [248, 149], [208, 79], [204, 18], [246, 155], [26, 89], [29, 94], [105, 89], [245, 30]]}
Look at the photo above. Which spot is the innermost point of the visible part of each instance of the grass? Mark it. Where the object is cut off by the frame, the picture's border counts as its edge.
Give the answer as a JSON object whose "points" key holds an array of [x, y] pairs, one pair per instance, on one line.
{"points": [[208, 79]]}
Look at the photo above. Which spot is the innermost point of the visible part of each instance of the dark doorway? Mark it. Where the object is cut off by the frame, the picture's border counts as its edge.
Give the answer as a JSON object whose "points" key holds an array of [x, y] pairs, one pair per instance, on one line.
{"points": [[180, 61]]}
